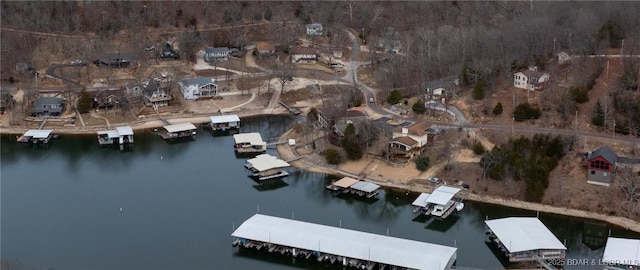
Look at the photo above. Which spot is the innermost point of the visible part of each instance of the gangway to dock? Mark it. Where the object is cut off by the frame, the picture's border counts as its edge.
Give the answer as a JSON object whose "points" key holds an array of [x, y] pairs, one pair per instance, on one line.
{"points": [[44, 121], [290, 109]]}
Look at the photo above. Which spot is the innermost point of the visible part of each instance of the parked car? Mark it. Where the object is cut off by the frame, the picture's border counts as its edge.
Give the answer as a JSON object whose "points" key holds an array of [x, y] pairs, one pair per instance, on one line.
{"points": [[434, 179], [371, 100]]}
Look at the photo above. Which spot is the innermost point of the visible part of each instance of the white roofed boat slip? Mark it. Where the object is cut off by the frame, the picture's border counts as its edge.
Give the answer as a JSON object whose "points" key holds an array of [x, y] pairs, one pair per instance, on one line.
{"points": [[218, 119], [252, 138], [421, 200], [267, 162], [442, 195], [124, 131], [348, 243], [365, 186], [109, 133], [38, 133], [622, 251], [345, 182], [179, 127], [523, 233]]}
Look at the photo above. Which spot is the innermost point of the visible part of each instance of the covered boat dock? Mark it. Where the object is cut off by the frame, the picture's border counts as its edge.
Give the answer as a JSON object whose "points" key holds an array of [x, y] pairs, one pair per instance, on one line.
{"points": [[184, 130], [120, 135], [420, 204], [224, 122], [524, 239], [622, 253], [342, 185], [249, 143], [342, 246], [265, 166], [354, 186], [36, 136], [442, 203]]}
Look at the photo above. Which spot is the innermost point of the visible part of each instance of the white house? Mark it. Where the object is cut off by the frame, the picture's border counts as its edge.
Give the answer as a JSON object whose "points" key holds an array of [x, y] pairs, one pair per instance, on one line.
{"points": [[195, 88], [216, 54], [530, 79], [304, 56], [314, 29]]}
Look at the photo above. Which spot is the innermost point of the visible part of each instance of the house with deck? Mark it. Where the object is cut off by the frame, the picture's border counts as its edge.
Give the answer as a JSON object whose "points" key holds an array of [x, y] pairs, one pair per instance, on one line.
{"points": [[530, 79], [48, 106], [198, 88], [156, 93], [224, 122], [115, 60], [304, 55], [601, 165], [107, 98], [216, 54], [409, 141], [524, 239]]}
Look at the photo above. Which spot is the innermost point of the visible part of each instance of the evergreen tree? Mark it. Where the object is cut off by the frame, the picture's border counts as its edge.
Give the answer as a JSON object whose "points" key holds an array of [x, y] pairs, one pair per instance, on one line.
{"points": [[418, 107], [598, 115], [478, 90], [85, 102], [350, 143], [497, 110], [394, 97]]}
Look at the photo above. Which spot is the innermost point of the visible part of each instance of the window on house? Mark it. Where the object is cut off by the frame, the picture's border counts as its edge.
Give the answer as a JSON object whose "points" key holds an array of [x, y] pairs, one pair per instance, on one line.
{"points": [[593, 172]]}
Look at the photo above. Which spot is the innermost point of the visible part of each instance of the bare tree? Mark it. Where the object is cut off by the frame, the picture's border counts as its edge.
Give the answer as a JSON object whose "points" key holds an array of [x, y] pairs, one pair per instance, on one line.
{"points": [[630, 185]]}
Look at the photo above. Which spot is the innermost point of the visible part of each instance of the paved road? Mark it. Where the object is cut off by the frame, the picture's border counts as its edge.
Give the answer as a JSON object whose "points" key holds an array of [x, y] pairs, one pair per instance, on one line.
{"points": [[51, 72]]}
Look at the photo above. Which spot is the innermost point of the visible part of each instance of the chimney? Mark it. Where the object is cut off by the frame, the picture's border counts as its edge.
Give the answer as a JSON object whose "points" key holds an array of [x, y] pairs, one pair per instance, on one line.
{"points": [[405, 131]]}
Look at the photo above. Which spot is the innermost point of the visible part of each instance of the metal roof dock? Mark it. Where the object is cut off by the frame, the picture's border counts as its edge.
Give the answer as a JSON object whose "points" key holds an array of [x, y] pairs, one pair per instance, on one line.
{"points": [[178, 131], [249, 143], [622, 252], [120, 135], [224, 122], [266, 162], [524, 239], [343, 183], [442, 195], [363, 188], [348, 247], [37, 136]]}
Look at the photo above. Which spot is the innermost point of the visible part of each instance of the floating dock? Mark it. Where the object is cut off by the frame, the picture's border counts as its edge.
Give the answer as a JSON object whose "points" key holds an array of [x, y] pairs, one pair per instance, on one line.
{"points": [[353, 186], [441, 203], [249, 143], [342, 246], [224, 122], [621, 253], [120, 135], [184, 130], [524, 239], [36, 136], [265, 167]]}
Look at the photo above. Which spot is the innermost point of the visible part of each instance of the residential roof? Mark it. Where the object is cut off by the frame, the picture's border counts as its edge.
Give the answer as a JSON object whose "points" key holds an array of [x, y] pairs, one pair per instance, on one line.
{"points": [[421, 200], [48, 100], [622, 251], [523, 233], [345, 182], [252, 138], [531, 73], [348, 243], [365, 186], [38, 133], [265, 162], [442, 195], [406, 141], [314, 25], [198, 81], [303, 50], [179, 127], [264, 46], [417, 129], [217, 119], [124, 130], [216, 50], [605, 152]]}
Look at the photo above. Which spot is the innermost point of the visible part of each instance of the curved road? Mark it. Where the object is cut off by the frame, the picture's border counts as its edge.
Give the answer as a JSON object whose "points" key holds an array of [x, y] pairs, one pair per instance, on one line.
{"points": [[51, 72]]}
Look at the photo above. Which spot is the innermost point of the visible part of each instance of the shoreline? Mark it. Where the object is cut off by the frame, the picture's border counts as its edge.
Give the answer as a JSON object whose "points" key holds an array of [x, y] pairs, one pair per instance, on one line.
{"points": [[284, 150]]}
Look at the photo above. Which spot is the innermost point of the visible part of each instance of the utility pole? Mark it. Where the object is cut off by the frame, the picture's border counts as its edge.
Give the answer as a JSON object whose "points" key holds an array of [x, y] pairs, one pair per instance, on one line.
{"points": [[576, 124]]}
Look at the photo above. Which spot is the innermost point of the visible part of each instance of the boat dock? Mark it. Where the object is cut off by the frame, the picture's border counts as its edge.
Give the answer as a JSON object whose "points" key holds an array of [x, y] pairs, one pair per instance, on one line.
{"points": [[340, 246], [524, 239], [354, 186], [120, 135], [440, 203], [36, 136], [249, 143], [224, 122], [265, 167], [184, 130]]}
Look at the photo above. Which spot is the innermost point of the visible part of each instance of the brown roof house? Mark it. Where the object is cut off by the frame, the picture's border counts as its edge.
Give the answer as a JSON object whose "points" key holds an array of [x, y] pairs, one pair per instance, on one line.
{"points": [[601, 164], [265, 49], [409, 141], [304, 56]]}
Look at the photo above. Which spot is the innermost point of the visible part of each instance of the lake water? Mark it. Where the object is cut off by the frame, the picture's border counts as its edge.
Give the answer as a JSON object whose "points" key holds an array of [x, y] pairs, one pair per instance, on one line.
{"points": [[61, 207]]}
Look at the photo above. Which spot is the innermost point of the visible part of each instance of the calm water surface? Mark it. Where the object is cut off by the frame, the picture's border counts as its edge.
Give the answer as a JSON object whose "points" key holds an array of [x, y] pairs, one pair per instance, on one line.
{"points": [[61, 207]]}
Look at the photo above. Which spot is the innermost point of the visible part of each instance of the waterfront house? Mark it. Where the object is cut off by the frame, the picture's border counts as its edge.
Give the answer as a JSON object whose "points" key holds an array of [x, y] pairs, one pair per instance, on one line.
{"points": [[265, 49], [107, 98], [216, 54], [156, 93], [530, 79], [198, 88], [524, 239], [409, 141], [115, 60], [304, 55], [48, 106], [601, 164]]}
